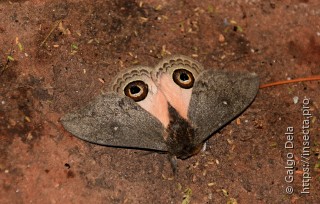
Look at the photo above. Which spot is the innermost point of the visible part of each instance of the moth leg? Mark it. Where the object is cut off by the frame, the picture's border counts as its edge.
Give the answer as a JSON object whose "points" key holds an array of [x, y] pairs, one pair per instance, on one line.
{"points": [[174, 163]]}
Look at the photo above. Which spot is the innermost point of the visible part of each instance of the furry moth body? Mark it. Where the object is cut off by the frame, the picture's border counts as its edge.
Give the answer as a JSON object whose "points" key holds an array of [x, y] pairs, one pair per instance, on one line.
{"points": [[174, 107]]}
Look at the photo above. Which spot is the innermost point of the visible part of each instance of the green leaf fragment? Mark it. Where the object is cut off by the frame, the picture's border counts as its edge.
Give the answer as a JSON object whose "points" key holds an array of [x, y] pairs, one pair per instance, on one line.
{"points": [[20, 47], [74, 46], [10, 58], [187, 196], [225, 192], [179, 186], [239, 28], [210, 9], [232, 201]]}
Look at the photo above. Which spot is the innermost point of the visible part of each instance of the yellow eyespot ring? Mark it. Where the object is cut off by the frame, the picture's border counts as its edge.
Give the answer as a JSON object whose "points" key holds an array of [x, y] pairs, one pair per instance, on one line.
{"points": [[183, 78], [136, 90]]}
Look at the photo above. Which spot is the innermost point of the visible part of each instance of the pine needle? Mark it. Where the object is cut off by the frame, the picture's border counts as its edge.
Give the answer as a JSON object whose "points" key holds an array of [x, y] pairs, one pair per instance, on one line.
{"points": [[311, 78]]}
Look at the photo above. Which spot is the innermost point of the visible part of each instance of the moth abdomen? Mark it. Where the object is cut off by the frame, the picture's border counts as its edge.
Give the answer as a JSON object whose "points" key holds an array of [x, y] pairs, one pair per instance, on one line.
{"points": [[181, 139]]}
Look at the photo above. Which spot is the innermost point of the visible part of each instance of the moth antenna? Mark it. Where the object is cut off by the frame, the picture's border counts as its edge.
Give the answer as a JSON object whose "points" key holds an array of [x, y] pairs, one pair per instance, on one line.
{"points": [[174, 164]]}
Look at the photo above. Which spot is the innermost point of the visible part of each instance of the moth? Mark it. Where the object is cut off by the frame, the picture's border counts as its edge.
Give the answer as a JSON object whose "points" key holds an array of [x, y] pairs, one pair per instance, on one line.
{"points": [[173, 107]]}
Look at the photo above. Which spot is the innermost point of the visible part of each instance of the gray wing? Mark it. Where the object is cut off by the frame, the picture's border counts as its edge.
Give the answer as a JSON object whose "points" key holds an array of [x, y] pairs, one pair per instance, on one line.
{"points": [[218, 97], [116, 121]]}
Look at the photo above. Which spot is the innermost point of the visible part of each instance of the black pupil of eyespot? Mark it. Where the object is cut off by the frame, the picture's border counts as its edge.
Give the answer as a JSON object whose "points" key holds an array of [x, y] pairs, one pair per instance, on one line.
{"points": [[135, 89], [184, 77]]}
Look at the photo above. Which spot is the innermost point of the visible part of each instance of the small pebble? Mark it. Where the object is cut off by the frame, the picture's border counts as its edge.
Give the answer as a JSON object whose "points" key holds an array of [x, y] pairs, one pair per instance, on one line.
{"points": [[221, 38]]}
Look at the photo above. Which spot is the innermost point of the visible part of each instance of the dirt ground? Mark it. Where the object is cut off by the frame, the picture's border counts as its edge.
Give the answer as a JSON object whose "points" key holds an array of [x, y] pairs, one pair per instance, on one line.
{"points": [[57, 55]]}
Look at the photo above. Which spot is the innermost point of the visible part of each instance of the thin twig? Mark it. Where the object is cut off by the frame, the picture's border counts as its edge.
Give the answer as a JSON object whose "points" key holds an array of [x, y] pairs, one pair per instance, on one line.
{"points": [[53, 28], [311, 78], [8, 61]]}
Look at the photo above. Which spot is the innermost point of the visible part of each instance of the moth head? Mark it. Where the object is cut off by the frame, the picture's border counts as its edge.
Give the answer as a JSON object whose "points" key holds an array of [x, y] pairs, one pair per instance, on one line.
{"points": [[190, 151]]}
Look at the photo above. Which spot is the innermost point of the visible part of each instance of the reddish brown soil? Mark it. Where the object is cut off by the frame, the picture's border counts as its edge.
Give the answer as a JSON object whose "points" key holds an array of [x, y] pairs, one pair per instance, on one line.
{"points": [[56, 68]]}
